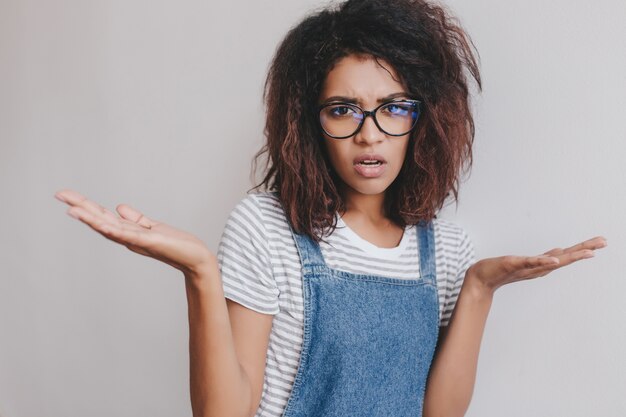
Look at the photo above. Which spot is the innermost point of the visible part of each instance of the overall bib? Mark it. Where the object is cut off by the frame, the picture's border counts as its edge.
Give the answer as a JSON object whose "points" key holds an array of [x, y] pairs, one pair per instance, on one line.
{"points": [[368, 340]]}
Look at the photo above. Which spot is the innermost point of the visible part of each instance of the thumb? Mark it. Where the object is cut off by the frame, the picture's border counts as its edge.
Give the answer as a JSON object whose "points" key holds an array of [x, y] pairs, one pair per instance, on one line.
{"points": [[135, 216]]}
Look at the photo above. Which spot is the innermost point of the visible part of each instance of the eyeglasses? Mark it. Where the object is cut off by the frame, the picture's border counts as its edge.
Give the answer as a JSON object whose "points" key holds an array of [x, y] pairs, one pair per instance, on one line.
{"points": [[395, 118]]}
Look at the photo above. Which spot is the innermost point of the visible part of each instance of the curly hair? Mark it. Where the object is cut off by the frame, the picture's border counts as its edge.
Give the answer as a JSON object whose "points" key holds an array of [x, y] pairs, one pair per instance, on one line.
{"points": [[431, 54]]}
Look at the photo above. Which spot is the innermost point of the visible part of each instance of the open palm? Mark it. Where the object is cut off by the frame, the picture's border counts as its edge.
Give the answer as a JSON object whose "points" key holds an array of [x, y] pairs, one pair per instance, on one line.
{"points": [[139, 233], [492, 273]]}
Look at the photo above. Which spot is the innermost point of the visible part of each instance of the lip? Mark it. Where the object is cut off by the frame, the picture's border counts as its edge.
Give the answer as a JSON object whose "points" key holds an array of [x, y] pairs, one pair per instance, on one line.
{"points": [[370, 171], [369, 156]]}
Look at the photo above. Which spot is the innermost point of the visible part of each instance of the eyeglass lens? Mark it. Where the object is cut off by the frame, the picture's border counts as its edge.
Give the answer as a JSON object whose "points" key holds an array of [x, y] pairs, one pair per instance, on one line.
{"points": [[343, 120]]}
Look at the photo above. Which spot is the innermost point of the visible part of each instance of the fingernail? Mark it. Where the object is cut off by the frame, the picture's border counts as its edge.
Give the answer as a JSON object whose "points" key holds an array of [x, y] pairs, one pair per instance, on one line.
{"points": [[58, 197], [74, 215], [589, 255]]}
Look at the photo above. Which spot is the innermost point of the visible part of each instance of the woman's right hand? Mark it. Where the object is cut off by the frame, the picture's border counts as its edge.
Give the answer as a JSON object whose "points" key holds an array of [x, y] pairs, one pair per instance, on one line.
{"points": [[141, 234]]}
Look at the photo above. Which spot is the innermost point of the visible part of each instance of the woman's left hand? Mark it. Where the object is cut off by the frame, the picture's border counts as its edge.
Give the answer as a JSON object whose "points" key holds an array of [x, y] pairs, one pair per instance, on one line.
{"points": [[492, 273]]}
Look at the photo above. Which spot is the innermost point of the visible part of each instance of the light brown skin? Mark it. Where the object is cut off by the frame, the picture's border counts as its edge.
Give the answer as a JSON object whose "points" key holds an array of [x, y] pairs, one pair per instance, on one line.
{"points": [[363, 79], [228, 342]]}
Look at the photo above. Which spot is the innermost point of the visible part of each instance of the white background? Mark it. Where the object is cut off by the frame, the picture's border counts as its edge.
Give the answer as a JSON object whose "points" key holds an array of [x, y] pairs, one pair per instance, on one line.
{"points": [[130, 101]]}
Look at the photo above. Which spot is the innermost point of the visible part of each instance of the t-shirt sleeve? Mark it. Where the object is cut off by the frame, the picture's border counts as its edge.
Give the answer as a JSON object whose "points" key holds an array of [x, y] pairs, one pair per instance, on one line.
{"points": [[465, 257], [243, 257]]}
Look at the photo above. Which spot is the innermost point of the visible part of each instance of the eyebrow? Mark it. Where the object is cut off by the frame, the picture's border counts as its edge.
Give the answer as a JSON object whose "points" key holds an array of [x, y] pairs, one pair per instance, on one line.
{"points": [[353, 100]]}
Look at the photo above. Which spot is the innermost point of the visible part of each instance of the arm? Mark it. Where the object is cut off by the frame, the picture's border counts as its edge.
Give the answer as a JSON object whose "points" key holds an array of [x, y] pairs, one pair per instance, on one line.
{"points": [[229, 338], [453, 371], [227, 346], [227, 342]]}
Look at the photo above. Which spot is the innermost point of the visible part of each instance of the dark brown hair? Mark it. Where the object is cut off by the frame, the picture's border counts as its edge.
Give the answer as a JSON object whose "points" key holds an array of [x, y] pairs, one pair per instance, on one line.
{"points": [[429, 51]]}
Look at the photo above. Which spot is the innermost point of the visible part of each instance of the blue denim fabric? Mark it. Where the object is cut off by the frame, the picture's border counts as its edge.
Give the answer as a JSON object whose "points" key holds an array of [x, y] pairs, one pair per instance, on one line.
{"points": [[368, 340]]}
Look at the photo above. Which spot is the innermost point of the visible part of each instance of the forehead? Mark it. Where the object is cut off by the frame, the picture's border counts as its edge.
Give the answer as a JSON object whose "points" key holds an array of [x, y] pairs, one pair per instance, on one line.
{"points": [[361, 77]]}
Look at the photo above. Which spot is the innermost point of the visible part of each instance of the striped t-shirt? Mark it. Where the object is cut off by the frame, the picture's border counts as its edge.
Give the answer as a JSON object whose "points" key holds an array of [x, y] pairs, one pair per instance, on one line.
{"points": [[261, 270]]}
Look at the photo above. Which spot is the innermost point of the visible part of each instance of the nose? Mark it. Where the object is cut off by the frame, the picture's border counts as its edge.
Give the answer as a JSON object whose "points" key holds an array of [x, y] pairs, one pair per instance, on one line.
{"points": [[369, 132]]}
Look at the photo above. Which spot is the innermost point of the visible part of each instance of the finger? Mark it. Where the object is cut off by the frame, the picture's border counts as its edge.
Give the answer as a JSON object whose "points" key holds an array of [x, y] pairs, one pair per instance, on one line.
{"points": [[514, 263], [93, 215], [515, 266], [65, 194], [99, 211], [554, 252], [136, 238], [597, 242], [123, 233], [75, 199], [70, 197], [135, 216], [570, 257], [113, 232], [564, 260], [97, 222], [540, 271]]}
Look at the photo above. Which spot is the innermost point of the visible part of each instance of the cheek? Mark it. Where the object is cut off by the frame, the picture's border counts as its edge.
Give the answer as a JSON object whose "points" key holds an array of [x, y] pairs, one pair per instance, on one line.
{"points": [[399, 157], [404, 149], [337, 154]]}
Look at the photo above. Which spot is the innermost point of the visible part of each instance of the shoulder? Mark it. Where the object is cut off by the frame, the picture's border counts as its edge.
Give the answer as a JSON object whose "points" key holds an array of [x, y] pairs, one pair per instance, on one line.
{"points": [[258, 214], [449, 232], [245, 258], [260, 202], [455, 242], [254, 207]]}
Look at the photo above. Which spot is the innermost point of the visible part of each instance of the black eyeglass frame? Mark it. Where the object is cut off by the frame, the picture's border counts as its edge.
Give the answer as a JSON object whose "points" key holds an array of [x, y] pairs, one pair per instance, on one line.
{"points": [[418, 108]]}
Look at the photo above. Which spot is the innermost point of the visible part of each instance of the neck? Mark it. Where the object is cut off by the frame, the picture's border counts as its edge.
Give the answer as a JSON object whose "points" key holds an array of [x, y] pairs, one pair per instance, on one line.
{"points": [[369, 207]]}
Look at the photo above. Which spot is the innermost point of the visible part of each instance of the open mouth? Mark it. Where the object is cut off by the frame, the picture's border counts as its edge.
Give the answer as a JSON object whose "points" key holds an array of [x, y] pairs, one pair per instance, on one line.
{"points": [[369, 160], [370, 163]]}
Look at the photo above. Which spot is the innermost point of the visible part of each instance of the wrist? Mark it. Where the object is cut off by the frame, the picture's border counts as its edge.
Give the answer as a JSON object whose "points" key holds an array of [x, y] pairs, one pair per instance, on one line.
{"points": [[203, 273], [476, 287]]}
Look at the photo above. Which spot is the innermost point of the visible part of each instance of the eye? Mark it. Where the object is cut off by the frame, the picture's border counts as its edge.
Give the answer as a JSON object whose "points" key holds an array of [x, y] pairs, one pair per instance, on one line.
{"points": [[398, 109], [339, 111]]}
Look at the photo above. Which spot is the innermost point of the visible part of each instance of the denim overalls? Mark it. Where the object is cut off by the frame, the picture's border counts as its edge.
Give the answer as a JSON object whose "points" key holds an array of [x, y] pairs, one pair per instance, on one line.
{"points": [[368, 340]]}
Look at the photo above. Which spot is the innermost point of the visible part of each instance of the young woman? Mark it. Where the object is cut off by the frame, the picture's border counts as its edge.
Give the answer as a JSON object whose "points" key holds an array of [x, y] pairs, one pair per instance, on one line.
{"points": [[336, 291]]}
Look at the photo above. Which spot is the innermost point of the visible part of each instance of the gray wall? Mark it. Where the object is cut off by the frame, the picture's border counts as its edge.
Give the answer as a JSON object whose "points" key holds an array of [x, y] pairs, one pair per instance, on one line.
{"points": [[129, 101]]}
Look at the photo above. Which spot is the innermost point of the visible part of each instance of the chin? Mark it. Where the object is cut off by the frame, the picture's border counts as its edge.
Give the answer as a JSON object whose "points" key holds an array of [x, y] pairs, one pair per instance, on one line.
{"points": [[369, 187]]}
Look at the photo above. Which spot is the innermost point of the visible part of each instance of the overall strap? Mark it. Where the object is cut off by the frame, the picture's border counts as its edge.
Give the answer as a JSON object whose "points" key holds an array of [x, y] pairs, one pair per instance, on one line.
{"points": [[426, 246], [309, 250]]}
